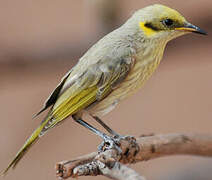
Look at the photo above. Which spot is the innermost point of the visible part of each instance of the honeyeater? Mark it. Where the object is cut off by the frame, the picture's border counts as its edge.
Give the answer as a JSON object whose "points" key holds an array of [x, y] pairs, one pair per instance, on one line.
{"points": [[111, 70]]}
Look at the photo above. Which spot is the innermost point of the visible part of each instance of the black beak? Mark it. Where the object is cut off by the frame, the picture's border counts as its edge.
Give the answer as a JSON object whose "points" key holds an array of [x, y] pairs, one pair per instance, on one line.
{"points": [[191, 28]]}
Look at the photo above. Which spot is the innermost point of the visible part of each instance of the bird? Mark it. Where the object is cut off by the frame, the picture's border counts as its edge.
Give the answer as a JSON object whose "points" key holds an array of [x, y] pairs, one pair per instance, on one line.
{"points": [[112, 69]]}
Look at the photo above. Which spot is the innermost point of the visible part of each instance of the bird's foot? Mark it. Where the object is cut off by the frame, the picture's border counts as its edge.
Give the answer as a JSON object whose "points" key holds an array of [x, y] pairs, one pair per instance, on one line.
{"points": [[114, 142], [110, 142]]}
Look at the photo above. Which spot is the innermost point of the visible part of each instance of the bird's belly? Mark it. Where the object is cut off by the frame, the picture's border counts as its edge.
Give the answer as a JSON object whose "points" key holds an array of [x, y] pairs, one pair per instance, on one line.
{"points": [[135, 80]]}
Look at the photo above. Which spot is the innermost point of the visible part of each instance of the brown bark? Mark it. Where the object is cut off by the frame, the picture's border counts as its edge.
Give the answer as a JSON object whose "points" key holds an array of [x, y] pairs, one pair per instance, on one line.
{"points": [[109, 162]]}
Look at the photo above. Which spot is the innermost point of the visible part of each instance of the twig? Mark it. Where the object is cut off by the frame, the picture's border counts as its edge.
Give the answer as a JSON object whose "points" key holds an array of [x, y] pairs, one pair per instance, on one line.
{"points": [[108, 162]]}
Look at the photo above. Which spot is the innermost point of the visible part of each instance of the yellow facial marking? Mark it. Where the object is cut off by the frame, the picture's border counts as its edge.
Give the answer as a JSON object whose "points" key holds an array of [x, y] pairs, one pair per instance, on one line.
{"points": [[147, 31]]}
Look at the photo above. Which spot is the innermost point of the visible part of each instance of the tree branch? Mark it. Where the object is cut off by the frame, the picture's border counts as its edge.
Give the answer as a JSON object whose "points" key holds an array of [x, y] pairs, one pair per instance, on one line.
{"points": [[109, 162]]}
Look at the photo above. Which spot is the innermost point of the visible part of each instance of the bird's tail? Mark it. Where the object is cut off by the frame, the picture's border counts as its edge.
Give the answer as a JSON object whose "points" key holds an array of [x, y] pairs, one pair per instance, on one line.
{"points": [[29, 142]]}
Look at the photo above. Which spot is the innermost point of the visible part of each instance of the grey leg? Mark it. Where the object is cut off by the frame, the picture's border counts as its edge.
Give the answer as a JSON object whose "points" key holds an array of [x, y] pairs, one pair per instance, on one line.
{"points": [[90, 127], [110, 142], [108, 129]]}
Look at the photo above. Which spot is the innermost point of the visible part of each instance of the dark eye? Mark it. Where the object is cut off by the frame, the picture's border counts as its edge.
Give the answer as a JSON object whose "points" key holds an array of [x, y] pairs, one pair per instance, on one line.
{"points": [[168, 22]]}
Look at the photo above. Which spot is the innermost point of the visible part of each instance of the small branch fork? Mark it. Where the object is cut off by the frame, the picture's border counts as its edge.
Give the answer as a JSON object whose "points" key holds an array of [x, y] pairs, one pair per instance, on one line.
{"points": [[110, 161]]}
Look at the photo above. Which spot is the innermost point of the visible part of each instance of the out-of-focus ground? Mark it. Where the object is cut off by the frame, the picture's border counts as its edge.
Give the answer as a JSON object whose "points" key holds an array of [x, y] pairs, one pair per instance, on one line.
{"points": [[41, 40]]}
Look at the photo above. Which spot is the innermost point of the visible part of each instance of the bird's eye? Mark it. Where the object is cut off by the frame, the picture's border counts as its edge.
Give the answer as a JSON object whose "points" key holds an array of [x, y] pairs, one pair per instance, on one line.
{"points": [[168, 22]]}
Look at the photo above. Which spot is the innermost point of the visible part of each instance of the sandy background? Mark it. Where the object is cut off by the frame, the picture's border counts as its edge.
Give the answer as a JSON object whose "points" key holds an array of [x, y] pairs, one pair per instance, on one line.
{"points": [[41, 40]]}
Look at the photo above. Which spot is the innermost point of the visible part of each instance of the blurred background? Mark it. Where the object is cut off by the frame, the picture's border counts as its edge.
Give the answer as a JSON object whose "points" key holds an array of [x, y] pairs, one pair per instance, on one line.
{"points": [[41, 40]]}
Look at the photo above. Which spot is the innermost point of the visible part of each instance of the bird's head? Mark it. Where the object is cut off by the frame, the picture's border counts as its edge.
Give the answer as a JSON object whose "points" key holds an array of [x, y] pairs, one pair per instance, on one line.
{"points": [[161, 22]]}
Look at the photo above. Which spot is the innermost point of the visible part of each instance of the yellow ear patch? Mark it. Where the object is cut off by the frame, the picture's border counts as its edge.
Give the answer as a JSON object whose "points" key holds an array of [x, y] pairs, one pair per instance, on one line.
{"points": [[147, 31]]}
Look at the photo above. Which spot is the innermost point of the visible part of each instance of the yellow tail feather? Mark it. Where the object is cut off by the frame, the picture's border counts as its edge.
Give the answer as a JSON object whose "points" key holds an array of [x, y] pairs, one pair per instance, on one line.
{"points": [[31, 140], [68, 107]]}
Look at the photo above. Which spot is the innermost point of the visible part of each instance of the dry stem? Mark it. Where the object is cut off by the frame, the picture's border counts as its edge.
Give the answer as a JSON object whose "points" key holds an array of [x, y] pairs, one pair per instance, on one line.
{"points": [[110, 162]]}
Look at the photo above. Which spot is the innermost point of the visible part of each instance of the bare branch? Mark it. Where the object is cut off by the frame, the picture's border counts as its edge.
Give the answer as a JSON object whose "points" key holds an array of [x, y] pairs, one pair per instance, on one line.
{"points": [[108, 162], [121, 172], [173, 144]]}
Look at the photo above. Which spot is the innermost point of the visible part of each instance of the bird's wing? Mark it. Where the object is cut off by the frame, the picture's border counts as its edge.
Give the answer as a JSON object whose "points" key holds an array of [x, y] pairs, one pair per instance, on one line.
{"points": [[54, 95], [92, 85], [112, 74]]}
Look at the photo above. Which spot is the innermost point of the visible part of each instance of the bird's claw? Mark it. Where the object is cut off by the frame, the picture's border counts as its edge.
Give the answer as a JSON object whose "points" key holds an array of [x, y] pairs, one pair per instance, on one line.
{"points": [[112, 142]]}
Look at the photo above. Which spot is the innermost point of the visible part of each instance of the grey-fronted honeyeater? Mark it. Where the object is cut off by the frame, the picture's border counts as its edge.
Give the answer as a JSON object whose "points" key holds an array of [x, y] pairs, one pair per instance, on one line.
{"points": [[111, 70]]}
